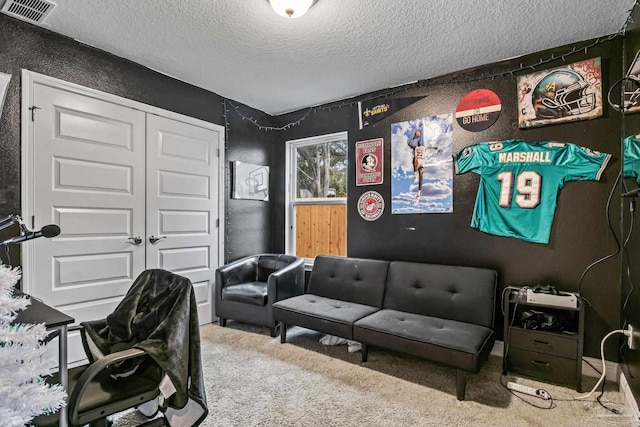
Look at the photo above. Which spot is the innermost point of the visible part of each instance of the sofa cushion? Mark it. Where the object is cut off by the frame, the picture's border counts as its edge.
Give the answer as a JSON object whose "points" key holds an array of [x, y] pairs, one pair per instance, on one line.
{"points": [[458, 344], [250, 293], [356, 280], [327, 315], [465, 294]]}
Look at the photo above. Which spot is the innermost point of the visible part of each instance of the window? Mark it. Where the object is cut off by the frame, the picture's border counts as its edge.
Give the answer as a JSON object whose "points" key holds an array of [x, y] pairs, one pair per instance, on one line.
{"points": [[316, 217]]}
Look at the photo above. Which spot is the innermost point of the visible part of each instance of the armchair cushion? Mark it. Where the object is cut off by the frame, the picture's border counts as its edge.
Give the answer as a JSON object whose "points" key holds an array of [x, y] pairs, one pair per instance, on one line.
{"points": [[249, 293]]}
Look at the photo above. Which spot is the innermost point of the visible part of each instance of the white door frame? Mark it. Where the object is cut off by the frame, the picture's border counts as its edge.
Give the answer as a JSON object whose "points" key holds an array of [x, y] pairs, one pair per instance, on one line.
{"points": [[29, 78]]}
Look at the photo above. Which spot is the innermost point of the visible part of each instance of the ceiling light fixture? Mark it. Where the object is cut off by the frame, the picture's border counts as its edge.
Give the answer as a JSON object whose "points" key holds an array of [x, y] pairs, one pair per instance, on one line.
{"points": [[291, 8]]}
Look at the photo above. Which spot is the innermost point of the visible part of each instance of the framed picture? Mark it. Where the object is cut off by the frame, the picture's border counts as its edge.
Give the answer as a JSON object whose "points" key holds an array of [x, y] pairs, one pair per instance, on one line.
{"points": [[369, 162], [4, 83], [421, 166], [562, 94], [250, 181]]}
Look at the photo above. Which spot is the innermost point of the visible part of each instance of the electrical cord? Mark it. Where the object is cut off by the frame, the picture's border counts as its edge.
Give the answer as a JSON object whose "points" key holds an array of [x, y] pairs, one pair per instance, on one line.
{"points": [[631, 287], [604, 366], [622, 108], [613, 233], [6, 251]]}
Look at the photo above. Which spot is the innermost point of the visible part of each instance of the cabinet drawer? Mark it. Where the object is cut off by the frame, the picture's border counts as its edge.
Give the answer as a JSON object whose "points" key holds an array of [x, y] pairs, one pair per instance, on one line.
{"points": [[543, 366], [544, 342]]}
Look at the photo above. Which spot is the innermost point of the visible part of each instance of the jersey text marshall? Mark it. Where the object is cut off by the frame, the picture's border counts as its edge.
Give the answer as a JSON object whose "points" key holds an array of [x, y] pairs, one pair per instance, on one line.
{"points": [[525, 156]]}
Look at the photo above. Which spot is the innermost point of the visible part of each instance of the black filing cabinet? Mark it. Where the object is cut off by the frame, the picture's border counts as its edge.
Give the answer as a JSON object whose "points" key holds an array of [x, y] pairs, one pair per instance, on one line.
{"points": [[549, 349]]}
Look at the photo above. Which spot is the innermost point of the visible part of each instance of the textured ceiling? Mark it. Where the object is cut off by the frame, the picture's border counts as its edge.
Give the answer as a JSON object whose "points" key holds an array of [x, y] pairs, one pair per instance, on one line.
{"points": [[242, 50]]}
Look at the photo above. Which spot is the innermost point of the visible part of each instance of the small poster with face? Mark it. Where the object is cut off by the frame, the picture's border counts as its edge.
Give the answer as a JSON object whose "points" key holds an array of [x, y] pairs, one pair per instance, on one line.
{"points": [[562, 94], [369, 162]]}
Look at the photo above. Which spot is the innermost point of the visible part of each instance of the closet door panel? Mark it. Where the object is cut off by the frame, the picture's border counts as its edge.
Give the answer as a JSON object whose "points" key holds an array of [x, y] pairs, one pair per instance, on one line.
{"points": [[89, 159], [182, 203]]}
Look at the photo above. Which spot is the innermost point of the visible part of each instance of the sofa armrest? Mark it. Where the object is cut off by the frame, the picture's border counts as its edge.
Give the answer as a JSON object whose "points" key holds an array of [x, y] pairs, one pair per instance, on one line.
{"points": [[286, 282]]}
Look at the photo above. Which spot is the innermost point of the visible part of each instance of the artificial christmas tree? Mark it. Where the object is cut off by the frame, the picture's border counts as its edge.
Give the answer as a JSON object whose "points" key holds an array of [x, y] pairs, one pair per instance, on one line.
{"points": [[23, 361]]}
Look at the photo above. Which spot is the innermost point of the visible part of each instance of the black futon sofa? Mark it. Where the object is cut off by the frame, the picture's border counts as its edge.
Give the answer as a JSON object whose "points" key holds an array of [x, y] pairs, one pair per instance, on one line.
{"points": [[443, 313]]}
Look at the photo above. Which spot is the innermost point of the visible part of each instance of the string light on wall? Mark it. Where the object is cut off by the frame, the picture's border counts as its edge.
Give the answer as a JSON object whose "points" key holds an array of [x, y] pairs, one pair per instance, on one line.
{"points": [[425, 83], [291, 8]]}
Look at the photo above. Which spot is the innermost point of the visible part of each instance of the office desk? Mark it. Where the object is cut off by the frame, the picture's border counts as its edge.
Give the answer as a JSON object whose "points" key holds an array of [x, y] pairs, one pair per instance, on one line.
{"points": [[39, 312]]}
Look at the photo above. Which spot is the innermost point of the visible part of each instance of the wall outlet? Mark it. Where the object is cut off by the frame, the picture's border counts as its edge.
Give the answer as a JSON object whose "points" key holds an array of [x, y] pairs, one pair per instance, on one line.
{"points": [[633, 337]]}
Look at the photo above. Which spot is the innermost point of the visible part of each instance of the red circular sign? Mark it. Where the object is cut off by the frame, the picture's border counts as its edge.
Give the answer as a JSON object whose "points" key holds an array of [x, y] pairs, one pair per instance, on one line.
{"points": [[370, 205], [478, 110]]}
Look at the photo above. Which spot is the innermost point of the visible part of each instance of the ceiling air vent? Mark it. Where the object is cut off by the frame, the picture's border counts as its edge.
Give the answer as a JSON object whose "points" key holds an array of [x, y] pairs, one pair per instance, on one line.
{"points": [[33, 11]]}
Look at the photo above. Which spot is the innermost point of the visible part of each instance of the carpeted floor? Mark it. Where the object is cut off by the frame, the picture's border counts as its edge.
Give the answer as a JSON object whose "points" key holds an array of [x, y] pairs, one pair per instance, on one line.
{"points": [[253, 380]]}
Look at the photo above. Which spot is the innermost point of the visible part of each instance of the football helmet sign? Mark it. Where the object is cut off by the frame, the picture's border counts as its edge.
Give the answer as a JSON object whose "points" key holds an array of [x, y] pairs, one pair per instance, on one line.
{"points": [[561, 94]]}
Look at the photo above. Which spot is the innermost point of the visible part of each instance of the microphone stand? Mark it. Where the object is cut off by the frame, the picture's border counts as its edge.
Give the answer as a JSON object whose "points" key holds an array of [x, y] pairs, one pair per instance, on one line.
{"points": [[6, 222], [9, 220]]}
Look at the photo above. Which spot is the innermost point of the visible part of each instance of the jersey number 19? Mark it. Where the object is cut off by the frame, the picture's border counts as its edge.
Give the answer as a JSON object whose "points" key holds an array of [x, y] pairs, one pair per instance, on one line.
{"points": [[527, 184]]}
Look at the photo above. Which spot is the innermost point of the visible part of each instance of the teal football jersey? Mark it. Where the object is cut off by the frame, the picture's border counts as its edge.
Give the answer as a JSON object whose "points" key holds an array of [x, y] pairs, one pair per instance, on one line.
{"points": [[520, 182], [631, 152]]}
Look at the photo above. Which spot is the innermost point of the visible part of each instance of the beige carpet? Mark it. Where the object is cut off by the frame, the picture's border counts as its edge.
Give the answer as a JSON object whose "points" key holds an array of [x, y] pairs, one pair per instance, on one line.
{"points": [[253, 380]]}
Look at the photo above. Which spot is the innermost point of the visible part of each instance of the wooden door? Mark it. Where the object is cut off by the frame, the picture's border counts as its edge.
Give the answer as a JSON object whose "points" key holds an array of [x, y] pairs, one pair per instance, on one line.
{"points": [[182, 203], [89, 166]]}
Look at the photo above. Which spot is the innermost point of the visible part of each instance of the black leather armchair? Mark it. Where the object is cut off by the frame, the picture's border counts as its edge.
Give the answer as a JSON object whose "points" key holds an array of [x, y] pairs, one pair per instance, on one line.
{"points": [[246, 289]]}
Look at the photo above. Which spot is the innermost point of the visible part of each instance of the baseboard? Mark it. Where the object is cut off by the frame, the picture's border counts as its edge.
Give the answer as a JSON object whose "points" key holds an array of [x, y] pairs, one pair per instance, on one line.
{"points": [[612, 373], [631, 406]]}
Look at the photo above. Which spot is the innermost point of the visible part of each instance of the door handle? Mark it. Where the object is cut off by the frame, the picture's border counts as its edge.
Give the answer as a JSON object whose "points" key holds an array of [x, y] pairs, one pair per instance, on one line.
{"points": [[154, 239], [136, 240]]}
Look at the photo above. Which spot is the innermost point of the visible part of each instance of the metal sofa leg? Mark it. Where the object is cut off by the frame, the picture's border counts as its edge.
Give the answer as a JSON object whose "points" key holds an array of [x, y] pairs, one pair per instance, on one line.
{"points": [[283, 333], [223, 322], [461, 383], [272, 331], [364, 352]]}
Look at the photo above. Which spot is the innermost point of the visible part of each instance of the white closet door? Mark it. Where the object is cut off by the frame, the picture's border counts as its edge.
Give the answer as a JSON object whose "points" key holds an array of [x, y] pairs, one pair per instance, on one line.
{"points": [[89, 167], [182, 203]]}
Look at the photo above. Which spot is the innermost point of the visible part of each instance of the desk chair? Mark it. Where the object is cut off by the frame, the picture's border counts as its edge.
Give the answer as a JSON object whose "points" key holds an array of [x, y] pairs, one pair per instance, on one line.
{"points": [[94, 394], [151, 337]]}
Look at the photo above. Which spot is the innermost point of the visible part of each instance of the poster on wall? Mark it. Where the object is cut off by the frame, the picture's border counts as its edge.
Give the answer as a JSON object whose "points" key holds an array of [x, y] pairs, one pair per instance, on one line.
{"points": [[421, 166], [558, 95], [4, 83], [369, 162], [250, 181]]}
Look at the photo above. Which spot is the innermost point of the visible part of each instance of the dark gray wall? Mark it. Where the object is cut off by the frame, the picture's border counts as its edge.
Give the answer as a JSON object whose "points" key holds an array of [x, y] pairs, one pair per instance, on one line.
{"points": [[23, 46], [580, 233], [630, 359]]}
